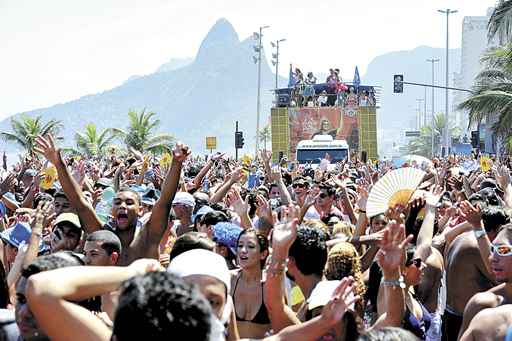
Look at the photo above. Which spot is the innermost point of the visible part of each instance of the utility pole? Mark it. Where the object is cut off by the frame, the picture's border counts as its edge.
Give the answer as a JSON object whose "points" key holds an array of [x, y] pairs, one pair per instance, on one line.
{"points": [[258, 49], [446, 138], [432, 60]]}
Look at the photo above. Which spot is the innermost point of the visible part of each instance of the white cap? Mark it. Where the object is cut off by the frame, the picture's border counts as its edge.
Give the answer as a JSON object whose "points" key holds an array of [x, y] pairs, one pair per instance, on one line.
{"points": [[322, 293], [201, 262], [184, 198]]}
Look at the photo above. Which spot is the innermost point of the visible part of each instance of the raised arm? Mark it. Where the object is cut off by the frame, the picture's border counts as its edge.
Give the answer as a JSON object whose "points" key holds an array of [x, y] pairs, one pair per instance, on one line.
{"points": [[332, 314], [48, 294], [198, 180], [283, 236], [232, 179], [426, 233], [390, 258], [277, 177], [473, 216], [502, 175], [160, 214], [89, 219]]}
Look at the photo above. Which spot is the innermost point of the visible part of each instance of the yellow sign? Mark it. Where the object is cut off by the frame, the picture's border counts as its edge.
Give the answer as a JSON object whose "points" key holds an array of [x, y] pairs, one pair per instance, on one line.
{"points": [[485, 163], [211, 142], [48, 177], [166, 160]]}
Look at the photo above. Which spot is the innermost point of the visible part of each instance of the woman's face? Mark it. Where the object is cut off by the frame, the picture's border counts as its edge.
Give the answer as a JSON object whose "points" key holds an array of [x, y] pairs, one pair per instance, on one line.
{"points": [[249, 254], [378, 223], [414, 272]]}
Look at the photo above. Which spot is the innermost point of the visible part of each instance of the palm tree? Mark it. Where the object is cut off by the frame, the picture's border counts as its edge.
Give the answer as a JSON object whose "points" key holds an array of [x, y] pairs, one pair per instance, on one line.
{"points": [[25, 129], [93, 143], [422, 145], [500, 23], [491, 100], [264, 136], [140, 134]]}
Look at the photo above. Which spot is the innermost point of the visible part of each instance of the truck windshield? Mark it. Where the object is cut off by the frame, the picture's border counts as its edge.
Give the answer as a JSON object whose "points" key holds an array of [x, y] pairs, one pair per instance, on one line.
{"points": [[315, 155]]}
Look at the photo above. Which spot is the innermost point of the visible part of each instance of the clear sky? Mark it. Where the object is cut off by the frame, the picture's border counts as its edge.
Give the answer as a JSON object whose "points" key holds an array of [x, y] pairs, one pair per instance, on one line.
{"points": [[53, 51]]}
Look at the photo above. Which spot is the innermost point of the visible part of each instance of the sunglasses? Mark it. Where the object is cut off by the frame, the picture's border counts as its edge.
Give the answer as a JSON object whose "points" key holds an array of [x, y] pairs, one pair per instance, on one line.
{"points": [[323, 195], [298, 186], [502, 250], [416, 262]]}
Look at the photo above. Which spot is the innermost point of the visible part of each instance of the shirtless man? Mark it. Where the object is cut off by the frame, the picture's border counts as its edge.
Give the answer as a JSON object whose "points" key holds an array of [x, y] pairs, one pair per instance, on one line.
{"points": [[466, 275], [501, 267], [126, 206]]}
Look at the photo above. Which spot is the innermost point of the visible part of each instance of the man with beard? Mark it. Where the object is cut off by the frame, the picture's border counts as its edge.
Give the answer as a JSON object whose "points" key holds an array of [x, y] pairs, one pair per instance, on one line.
{"points": [[126, 207]]}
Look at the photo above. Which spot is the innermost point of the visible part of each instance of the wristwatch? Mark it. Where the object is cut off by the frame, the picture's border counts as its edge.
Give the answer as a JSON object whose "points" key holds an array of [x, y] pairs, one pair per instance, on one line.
{"points": [[394, 282], [479, 233]]}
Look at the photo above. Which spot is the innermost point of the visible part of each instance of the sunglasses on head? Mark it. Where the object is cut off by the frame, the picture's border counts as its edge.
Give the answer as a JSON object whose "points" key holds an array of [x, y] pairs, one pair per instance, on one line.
{"points": [[416, 262], [503, 250]]}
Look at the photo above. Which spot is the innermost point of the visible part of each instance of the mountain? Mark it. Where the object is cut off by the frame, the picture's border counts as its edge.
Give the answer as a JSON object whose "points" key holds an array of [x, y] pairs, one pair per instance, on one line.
{"points": [[398, 111], [174, 63], [202, 98]]}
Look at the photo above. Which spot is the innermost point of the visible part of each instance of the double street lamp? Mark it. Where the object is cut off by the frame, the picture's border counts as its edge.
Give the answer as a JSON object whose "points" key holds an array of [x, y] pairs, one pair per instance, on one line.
{"points": [[257, 59]]}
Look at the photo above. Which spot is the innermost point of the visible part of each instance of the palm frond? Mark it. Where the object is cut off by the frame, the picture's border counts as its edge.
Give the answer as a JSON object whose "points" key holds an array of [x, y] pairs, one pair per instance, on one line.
{"points": [[500, 23]]}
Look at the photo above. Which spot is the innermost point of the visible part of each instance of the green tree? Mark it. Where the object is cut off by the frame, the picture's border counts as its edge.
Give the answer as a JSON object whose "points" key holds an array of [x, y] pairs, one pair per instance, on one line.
{"points": [[491, 100], [94, 143], [422, 145], [25, 129], [500, 23], [140, 134], [264, 136]]}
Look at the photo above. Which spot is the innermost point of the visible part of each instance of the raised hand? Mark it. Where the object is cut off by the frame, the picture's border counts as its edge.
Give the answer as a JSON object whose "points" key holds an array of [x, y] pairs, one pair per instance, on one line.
{"points": [[275, 174], [236, 175], [217, 156], [180, 152], [392, 247], [284, 234], [263, 209], [46, 147], [362, 191], [502, 175], [234, 198], [432, 198], [340, 302], [471, 214], [396, 213], [266, 155], [144, 265], [7, 184]]}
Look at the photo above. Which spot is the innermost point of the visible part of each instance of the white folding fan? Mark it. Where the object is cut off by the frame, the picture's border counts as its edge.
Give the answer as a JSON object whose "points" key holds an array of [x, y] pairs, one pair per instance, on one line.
{"points": [[396, 187]]}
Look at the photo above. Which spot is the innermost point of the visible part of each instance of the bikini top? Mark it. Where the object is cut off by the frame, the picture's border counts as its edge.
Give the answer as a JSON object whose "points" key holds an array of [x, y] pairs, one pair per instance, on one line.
{"points": [[261, 316], [415, 326]]}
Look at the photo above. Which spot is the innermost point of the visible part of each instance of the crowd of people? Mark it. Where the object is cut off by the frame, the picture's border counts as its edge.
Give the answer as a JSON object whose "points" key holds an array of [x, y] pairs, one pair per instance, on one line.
{"points": [[306, 92], [135, 247]]}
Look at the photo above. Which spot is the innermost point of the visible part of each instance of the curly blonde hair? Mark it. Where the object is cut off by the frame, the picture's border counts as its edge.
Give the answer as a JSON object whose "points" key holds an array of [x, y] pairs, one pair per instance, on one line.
{"points": [[343, 261]]}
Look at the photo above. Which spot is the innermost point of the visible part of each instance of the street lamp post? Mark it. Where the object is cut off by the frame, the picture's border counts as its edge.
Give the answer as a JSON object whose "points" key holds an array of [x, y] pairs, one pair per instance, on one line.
{"points": [[418, 124], [432, 60], [446, 124], [258, 49], [275, 62]]}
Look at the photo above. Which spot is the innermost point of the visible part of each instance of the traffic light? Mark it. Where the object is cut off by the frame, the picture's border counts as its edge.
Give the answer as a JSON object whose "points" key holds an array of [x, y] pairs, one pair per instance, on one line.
{"points": [[398, 85], [475, 139], [239, 139]]}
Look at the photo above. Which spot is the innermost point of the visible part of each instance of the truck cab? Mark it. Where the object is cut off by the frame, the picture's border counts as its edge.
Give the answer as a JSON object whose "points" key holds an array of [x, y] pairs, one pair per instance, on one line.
{"points": [[313, 151]]}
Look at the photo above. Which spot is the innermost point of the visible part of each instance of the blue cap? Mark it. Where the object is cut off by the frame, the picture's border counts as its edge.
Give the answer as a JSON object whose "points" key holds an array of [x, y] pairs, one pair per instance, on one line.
{"points": [[227, 234], [201, 212], [19, 233], [3, 209]]}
